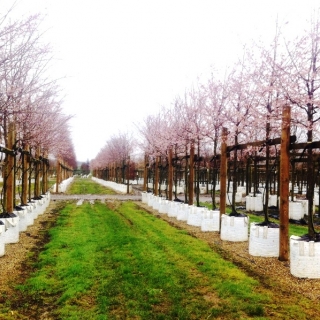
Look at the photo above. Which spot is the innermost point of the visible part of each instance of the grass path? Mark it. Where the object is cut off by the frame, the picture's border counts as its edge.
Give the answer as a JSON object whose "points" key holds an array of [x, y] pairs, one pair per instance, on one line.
{"points": [[116, 261], [87, 186]]}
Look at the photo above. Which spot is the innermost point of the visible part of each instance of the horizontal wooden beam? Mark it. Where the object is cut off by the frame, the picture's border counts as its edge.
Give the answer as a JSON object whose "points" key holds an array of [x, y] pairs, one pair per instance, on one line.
{"points": [[261, 144]]}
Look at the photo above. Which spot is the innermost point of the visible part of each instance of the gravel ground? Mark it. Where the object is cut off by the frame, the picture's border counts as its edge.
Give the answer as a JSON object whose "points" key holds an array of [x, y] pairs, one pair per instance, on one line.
{"points": [[16, 253]]}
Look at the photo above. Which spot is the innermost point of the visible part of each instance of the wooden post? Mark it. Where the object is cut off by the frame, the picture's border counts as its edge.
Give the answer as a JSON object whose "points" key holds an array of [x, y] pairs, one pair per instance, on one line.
{"points": [[58, 176], [128, 173], [62, 171], [223, 171], [284, 185], [145, 173], [156, 177], [37, 174], [25, 171], [170, 174], [191, 175], [45, 166], [10, 170]]}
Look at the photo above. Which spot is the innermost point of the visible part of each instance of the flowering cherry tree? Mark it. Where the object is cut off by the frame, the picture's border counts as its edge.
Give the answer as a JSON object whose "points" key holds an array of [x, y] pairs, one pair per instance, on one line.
{"points": [[239, 114], [29, 100], [300, 84]]}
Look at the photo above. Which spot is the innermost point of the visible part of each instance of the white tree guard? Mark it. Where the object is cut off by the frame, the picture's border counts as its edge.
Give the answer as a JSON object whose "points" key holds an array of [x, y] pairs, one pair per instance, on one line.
{"points": [[110, 184], [183, 212], [229, 198], [29, 215], [258, 203], [150, 199], [316, 199], [2, 243], [11, 235], [38, 209], [46, 199], [173, 209], [273, 200], [304, 258], [195, 216], [249, 203], [41, 206], [263, 241], [296, 210], [22, 214], [164, 206], [241, 189], [234, 228], [210, 221], [64, 185], [156, 203], [305, 206], [144, 197]]}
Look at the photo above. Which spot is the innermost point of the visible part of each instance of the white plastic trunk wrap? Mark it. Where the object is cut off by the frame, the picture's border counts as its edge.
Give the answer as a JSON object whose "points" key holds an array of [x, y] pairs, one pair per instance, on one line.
{"points": [[263, 241]]}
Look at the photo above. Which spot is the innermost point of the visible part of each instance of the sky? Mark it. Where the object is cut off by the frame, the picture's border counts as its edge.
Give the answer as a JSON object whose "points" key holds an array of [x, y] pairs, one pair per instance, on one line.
{"points": [[122, 60]]}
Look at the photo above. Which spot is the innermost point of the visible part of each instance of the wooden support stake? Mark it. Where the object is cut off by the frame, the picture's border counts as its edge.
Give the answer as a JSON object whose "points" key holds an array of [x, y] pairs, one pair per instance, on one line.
{"points": [[37, 174], [284, 185], [191, 175], [145, 173], [223, 172], [10, 170], [25, 172], [45, 167], [170, 175], [58, 175], [128, 173], [156, 182]]}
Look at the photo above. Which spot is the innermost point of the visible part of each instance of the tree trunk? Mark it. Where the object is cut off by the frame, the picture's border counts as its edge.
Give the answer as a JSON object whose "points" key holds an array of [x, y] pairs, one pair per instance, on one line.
{"points": [[265, 196], [191, 174], [25, 170], [10, 170], [310, 177], [284, 186], [198, 176], [170, 174], [234, 177], [223, 172]]}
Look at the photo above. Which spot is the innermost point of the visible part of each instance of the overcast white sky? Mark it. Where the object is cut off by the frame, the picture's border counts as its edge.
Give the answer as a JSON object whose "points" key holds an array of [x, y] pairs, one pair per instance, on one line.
{"points": [[124, 59]]}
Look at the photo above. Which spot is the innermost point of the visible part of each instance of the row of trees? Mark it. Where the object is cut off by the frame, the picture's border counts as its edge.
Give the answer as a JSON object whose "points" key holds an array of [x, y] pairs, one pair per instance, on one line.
{"points": [[30, 101], [116, 159], [248, 101], [28, 97]]}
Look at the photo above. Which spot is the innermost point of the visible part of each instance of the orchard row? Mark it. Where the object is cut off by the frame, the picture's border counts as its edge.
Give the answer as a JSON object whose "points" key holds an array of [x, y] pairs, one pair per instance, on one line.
{"points": [[30, 101]]}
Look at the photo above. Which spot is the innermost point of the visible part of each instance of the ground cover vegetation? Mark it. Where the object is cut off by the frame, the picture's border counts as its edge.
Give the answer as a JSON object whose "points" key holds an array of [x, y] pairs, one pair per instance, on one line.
{"points": [[87, 186], [116, 260]]}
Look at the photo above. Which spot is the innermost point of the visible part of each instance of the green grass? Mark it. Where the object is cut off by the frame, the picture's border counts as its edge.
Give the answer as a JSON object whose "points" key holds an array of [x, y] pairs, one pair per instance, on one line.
{"points": [[124, 263], [87, 186]]}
